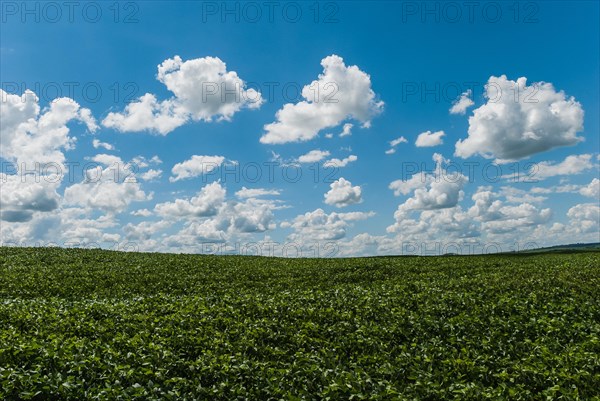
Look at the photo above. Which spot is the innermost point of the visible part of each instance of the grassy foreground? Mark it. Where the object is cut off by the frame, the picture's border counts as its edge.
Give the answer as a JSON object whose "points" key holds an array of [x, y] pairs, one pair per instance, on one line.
{"points": [[101, 325]]}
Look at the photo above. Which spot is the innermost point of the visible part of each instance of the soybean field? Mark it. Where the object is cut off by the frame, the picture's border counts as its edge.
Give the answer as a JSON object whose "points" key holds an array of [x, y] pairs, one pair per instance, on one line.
{"points": [[101, 325]]}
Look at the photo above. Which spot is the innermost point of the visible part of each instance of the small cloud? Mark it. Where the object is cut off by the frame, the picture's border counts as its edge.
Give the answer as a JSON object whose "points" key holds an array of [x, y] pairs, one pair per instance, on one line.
{"points": [[395, 143], [398, 141], [142, 213], [573, 164], [429, 139], [245, 193], [313, 156], [340, 163], [97, 145], [195, 167], [151, 175], [461, 104], [347, 130]]}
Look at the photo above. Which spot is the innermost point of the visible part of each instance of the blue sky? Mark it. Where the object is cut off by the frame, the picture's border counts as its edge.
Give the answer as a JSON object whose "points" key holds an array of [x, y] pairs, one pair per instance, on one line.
{"points": [[417, 58]]}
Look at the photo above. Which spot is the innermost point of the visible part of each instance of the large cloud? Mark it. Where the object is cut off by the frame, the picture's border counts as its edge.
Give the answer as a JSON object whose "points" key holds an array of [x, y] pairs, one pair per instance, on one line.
{"points": [[206, 203], [110, 189], [592, 189], [447, 224], [70, 227], [33, 141], [343, 194], [251, 216], [29, 136], [340, 93], [404, 187], [494, 218], [145, 230], [438, 190], [583, 226], [586, 217], [195, 166], [320, 226], [203, 91], [209, 217], [498, 218], [519, 120], [573, 164], [22, 195]]}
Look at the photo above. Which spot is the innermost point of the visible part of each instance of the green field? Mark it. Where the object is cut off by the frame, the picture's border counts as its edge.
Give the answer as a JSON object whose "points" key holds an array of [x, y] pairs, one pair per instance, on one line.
{"points": [[102, 325]]}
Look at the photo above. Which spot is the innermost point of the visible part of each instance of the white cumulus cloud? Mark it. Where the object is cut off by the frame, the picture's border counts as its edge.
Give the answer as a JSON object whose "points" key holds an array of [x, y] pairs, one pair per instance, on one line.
{"points": [[585, 217], [195, 166], [394, 143], [498, 218], [31, 135], [151, 174], [398, 141], [203, 90], [429, 139], [313, 156], [320, 226], [340, 92], [343, 194], [520, 120], [338, 163], [98, 144], [573, 164], [23, 195], [592, 189], [33, 139], [245, 193], [438, 190], [206, 203], [461, 105], [110, 189], [347, 130]]}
